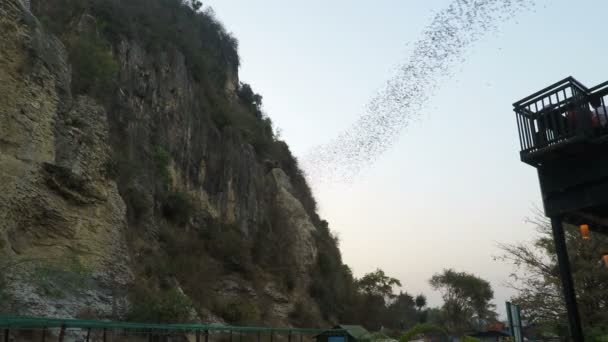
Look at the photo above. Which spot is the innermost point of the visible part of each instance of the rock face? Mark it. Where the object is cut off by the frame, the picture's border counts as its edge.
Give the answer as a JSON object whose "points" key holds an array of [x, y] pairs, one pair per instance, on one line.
{"points": [[59, 210], [26, 3], [74, 236], [159, 105], [299, 223]]}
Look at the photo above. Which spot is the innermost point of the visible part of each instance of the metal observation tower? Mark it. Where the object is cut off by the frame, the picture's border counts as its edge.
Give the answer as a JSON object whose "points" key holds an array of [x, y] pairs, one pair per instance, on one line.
{"points": [[563, 133]]}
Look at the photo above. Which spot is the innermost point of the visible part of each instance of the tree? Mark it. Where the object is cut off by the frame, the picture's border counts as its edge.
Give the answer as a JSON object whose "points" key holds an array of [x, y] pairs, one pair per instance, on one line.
{"points": [[250, 99], [435, 316], [420, 302], [536, 278], [401, 313], [196, 5], [377, 283], [466, 299], [375, 292]]}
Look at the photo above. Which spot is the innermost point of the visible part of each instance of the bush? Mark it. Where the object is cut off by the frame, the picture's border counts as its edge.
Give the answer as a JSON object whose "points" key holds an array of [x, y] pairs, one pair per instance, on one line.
{"points": [[423, 329], [210, 51], [333, 285], [185, 258], [162, 159], [58, 15], [157, 266], [239, 311], [122, 167], [170, 306], [470, 339], [178, 207], [273, 250], [596, 334], [250, 99], [58, 277], [161, 25], [303, 315], [227, 243], [280, 152], [327, 264], [5, 296], [247, 120], [137, 202], [94, 69], [112, 169]]}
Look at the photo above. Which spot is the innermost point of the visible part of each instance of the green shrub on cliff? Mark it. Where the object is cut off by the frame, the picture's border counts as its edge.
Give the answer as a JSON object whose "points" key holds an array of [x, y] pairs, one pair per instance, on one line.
{"points": [[238, 311], [137, 202], [160, 25], [94, 69], [210, 51], [5, 296], [229, 245], [162, 160], [247, 119], [177, 207], [57, 277], [186, 258], [58, 14], [303, 315], [168, 306], [250, 99]]}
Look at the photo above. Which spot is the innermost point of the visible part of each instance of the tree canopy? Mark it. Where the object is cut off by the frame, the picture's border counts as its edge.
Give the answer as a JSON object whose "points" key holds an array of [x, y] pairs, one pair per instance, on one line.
{"points": [[377, 283], [466, 299], [423, 329], [536, 279], [420, 301]]}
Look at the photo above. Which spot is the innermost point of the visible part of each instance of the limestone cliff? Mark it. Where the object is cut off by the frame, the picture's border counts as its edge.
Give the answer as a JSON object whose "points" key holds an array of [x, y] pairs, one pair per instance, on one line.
{"points": [[143, 191], [57, 204]]}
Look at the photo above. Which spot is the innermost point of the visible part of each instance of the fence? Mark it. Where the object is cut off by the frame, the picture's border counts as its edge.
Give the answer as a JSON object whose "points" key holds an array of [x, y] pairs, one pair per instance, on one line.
{"points": [[74, 330]]}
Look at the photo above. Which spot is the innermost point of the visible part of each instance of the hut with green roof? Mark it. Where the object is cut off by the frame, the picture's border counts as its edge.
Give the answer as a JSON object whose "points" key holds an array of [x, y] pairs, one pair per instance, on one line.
{"points": [[352, 333]]}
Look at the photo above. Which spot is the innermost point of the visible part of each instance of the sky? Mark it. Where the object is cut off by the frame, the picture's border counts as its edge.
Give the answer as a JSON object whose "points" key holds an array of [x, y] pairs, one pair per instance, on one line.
{"points": [[452, 186]]}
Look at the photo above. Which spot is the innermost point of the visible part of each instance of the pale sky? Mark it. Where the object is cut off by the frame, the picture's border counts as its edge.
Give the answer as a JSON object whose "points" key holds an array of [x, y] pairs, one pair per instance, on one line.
{"points": [[452, 187]]}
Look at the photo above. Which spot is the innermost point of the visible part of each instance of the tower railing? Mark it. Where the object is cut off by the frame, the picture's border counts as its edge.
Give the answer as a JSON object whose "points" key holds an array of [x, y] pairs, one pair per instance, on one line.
{"points": [[559, 114]]}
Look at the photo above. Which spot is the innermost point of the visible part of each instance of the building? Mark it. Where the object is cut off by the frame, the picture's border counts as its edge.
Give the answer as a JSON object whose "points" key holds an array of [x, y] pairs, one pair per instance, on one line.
{"points": [[351, 333]]}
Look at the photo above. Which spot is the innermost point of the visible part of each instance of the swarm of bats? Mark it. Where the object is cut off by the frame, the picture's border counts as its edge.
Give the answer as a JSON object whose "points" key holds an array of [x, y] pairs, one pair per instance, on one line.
{"points": [[441, 46]]}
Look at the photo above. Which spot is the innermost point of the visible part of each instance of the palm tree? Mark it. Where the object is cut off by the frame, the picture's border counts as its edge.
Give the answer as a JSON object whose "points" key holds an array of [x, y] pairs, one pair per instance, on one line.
{"points": [[420, 302]]}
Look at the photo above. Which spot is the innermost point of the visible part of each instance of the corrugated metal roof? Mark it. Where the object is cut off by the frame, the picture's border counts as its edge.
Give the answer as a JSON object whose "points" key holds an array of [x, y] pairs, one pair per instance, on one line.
{"points": [[356, 331]]}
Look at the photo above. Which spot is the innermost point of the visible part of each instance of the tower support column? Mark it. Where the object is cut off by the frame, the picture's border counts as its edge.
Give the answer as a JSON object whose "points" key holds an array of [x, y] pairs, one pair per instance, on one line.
{"points": [[574, 321]]}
